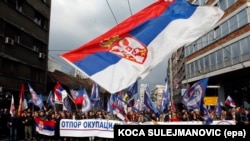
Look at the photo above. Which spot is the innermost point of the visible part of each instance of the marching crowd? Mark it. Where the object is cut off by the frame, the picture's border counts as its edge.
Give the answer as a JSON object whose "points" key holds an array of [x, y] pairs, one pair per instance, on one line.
{"points": [[23, 127]]}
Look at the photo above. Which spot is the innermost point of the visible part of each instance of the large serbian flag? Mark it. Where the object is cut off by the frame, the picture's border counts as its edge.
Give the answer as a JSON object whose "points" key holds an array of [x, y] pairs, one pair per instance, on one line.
{"points": [[45, 127], [129, 51]]}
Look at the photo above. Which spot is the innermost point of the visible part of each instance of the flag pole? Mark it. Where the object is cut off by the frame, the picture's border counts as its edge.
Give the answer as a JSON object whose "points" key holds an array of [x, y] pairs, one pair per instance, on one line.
{"points": [[73, 102]]}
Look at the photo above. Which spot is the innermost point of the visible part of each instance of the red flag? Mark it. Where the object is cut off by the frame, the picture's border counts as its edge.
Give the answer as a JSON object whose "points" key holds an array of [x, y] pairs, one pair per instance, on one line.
{"points": [[21, 100]]}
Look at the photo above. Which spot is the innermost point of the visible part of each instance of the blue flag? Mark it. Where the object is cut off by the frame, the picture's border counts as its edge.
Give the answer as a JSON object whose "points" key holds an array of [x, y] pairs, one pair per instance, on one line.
{"points": [[51, 100], [165, 97], [218, 108], [148, 101], [95, 95], [193, 96], [205, 113], [132, 89], [35, 99]]}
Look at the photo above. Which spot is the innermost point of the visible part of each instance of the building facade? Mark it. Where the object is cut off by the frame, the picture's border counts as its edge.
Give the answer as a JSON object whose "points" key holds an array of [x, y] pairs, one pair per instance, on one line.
{"points": [[24, 38], [223, 54]]}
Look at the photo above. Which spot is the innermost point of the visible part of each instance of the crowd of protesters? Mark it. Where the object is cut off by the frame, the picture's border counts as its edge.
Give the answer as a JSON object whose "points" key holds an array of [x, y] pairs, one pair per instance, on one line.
{"points": [[22, 127]]}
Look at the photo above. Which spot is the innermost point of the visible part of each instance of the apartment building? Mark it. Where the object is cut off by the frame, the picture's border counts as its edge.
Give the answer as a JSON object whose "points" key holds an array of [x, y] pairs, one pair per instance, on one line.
{"points": [[222, 55], [24, 38]]}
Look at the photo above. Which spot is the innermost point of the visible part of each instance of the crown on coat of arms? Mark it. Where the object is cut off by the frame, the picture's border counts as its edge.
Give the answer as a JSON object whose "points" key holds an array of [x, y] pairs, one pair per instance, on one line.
{"points": [[109, 41]]}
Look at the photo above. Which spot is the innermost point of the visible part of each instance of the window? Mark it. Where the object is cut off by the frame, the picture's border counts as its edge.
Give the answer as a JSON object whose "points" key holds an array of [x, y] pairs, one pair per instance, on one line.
{"points": [[211, 37], [199, 44], [38, 18], [235, 50], [201, 65], [213, 61], [206, 60], [242, 17], [227, 56], [19, 6], [194, 46], [244, 46], [235, 53], [223, 4], [224, 28], [227, 53], [204, 41], [192, 69], [217, 33], [196, 67], [187, 51], [219, 56], [231, 2], [233, 23]]}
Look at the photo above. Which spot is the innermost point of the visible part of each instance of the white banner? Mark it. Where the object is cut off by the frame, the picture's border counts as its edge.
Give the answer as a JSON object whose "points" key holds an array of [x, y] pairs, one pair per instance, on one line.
{"points": [[88, 128], [105, 128]]}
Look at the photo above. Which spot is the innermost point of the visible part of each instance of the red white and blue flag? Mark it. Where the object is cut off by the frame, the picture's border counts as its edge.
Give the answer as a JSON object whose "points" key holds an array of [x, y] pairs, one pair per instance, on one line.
{"points": [[128, 51], [60, 93], [230, 102], [45, 127], [77, 95]]}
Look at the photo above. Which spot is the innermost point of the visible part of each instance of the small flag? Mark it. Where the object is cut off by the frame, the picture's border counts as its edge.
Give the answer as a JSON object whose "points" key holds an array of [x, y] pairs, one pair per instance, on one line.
{"points": [[59, 91], [148, 101], [95, 95], [86, 103], [35, 99], [45, 127], [12, 106], [230, 102], [165, 97], [51, 100], [21, 94], [77, 95]]}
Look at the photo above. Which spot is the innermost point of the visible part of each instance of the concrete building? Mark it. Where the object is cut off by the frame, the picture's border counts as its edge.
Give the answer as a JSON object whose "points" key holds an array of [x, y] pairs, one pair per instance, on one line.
{"points": [[222, 55], [24, 38]]}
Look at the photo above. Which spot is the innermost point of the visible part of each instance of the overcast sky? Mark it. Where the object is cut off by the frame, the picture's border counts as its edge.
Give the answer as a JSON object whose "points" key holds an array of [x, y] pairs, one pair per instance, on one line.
{"points": [[76, 22]]}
